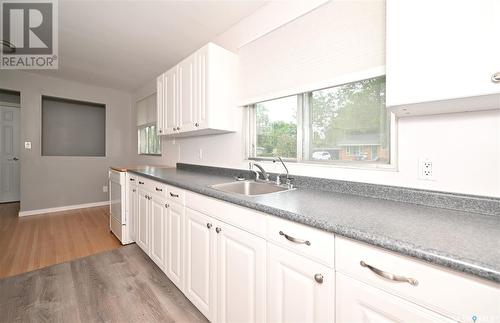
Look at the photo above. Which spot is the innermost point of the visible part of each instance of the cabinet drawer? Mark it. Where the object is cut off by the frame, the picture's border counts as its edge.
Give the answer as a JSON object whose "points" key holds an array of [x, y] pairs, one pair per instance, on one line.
{"points": [[306, 240], [176, 194], [241, 217], [131, 179], [152, 186], [452, 294], [358, 302]]}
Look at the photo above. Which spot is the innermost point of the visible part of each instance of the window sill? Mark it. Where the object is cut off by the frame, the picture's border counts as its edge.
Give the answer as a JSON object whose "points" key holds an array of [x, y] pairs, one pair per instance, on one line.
{"points": [[376, 167], [157, 155]]}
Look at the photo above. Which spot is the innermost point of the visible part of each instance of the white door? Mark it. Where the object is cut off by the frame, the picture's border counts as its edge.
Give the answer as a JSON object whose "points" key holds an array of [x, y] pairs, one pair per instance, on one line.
{"points": [[241, 270], [174, 243], [187, 94], [9, 154], [299, 289], [199, 246], [132, 211], [170, 101], [143, 215], [359, 302], [158, 209], [201, 77]]}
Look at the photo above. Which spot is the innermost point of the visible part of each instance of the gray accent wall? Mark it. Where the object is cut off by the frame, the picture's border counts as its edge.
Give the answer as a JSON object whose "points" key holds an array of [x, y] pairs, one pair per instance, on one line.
{"points": [[54, 181]]}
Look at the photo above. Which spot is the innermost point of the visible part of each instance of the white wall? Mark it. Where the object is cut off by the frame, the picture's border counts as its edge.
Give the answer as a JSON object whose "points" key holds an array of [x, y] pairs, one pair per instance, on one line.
{"points": [[464, 148], [48, 182]]}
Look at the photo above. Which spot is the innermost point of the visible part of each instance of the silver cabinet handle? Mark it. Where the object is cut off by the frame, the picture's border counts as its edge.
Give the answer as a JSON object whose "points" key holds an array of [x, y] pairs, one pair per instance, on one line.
{"points": [[158, 189], [132, 179], [173, 128], [209, 225], [318, 278], [178, 128], [174, 195], [295, 240], [133, 190], [389, 276], [167, 205], [141, 182], [218, 230], [495, 78], [13, 158], [197, 125]]}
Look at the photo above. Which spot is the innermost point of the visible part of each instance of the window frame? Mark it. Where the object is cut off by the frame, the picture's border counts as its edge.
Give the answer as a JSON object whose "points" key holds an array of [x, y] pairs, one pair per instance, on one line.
{"points": [[139, 128], [303, 135]]}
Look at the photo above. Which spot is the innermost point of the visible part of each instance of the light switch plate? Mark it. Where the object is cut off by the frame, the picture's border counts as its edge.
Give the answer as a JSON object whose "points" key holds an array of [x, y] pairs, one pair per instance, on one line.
{"points": [[27, 144]]}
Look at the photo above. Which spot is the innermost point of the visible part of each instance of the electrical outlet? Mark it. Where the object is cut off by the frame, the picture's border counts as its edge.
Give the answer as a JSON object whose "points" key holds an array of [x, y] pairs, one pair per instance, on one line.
{"points": [[27, 144], [425, 169], [105, 189]]}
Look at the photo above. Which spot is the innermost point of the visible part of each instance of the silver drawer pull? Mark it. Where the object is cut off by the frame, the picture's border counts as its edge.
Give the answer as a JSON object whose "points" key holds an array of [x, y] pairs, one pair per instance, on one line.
{"points": [[295, 240], [319, 278], [174, 195], [495, 78], [389, 276], [158, 189], [141, 182]]}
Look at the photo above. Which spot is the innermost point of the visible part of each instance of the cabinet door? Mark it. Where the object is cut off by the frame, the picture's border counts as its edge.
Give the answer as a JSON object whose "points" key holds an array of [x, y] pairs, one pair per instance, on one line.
{"points": [[241, 280], [143, 223], [158, 214], [201, 77], [160, 104], [187, 94], [358, 302], [170, 105], [200, 262], [296, 292], [174, 243], [132, 211], [443, 58]]}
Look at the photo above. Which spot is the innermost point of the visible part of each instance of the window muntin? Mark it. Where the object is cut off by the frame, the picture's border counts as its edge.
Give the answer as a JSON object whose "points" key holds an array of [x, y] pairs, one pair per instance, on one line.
{"points": [[149, 143], [347, 124]]}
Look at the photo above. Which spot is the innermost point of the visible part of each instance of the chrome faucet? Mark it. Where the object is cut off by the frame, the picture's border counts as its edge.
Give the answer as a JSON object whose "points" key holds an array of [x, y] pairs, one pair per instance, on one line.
{"points": [[265, 175], [278, 177]]}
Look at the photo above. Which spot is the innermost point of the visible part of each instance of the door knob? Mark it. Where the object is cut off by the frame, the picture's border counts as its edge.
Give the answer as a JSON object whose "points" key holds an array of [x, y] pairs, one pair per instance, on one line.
{"points": [[209, 225], [495, 78], [197, 125], [218, 230], [14, 159]]}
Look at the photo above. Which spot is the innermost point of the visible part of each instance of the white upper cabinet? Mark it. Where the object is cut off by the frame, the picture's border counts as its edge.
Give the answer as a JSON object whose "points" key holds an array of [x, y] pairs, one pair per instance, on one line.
{"points": [[197, 96], [444, 52]]}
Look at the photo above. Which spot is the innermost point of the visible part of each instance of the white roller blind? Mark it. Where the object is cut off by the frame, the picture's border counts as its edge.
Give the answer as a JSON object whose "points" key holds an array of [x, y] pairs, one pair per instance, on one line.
{"points": [[334, 40], [146, 110]]}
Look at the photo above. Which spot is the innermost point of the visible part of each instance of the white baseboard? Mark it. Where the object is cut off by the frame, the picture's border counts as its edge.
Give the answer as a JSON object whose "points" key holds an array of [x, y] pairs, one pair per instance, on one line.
{"points": [[62, 208]]}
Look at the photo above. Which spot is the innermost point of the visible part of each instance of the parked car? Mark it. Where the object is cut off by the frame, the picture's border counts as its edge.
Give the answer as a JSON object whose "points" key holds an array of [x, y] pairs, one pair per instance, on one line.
{"points": [[321, 155]]}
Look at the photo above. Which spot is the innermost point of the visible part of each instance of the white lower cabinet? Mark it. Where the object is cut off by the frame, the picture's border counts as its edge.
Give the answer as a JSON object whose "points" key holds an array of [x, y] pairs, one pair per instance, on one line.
{"points": [[158, 211], [132, 196], [241, 275], [143, 220], [199, 253], [283, 272], [359, 302], [174, 228], [298, 289]]}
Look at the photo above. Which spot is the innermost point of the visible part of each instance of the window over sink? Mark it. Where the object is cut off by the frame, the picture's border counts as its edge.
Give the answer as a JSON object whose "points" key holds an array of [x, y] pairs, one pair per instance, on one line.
{"points": [[344, 124]]}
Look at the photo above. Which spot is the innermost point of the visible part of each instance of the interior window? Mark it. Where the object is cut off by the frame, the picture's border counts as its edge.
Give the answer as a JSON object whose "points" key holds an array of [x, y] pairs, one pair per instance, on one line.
{"points": [[348, 123]]}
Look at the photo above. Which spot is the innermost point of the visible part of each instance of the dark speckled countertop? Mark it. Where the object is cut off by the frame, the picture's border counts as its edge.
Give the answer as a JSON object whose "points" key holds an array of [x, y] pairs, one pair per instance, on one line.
{"points": [[463, 241]]}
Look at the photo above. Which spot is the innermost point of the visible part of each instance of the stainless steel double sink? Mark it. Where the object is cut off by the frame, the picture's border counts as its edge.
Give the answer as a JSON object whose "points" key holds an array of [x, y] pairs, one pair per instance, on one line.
{"points": [[250, 188]]}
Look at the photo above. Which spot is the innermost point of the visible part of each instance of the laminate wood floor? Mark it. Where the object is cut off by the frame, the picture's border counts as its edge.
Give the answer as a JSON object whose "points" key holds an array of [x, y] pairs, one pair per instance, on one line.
{"points": [[122, 285], [37, 241]]}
